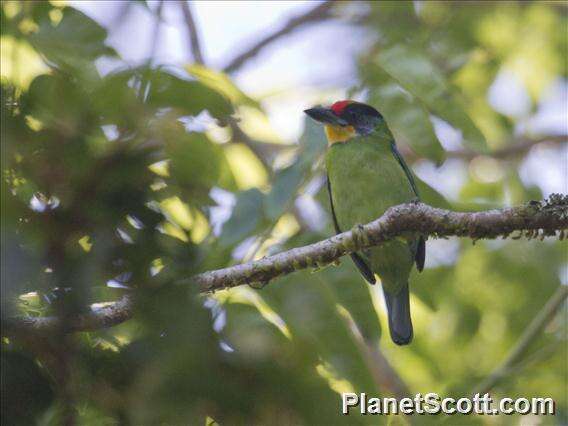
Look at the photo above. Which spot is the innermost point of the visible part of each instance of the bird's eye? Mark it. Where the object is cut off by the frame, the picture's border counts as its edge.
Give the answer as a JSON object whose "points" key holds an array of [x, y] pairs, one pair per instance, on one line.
{"points": [[349, 116]]}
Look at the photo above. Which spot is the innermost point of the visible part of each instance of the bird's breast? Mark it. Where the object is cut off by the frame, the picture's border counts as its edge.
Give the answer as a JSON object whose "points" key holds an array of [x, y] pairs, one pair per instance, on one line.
{"points": [[365, 179]]}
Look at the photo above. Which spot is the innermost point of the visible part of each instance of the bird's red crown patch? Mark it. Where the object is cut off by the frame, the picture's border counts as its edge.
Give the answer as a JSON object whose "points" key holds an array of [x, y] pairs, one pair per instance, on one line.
{"points": [[339, 106]]}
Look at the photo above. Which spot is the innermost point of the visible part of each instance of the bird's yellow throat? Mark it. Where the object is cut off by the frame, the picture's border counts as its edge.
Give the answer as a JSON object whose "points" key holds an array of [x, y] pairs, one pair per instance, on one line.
{"points": [[339, 134]]}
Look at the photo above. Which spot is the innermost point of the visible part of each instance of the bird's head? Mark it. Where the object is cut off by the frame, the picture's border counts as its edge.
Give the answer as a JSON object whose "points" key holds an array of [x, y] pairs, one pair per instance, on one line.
{"points": [[346, 119]]}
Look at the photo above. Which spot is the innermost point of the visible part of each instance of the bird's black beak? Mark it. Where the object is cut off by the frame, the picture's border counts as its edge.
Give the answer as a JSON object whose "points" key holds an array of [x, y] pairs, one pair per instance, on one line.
{"points": [[326, 116]]}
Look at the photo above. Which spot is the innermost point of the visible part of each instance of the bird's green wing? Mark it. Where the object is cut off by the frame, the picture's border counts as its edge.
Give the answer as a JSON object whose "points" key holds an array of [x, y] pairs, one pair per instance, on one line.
{"points": [[420, 253], [357, 259], [406, 169]]}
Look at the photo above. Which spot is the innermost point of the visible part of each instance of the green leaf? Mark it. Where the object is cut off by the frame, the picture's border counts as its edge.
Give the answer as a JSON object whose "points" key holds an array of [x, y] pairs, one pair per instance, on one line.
{"points": [[313, 318], [482, 192], [195, 160], [58, 101], [222, 83], [430, 196], [407, 118], [189, 97], [26, 391], [117, 102], [313, 142], [422, 283], [283, 190], [279, 363], [418, 75], [73, 42], [396, 21], [287, 180], [352, 292], [246, 217]]}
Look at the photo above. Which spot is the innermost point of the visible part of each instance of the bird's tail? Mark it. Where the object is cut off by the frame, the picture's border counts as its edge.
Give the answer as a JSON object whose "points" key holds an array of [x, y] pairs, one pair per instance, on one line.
{"points": [[398, 307]]}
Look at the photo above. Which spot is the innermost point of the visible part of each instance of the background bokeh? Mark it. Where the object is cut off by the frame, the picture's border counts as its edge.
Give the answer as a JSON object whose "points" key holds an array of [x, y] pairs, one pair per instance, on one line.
{"points": [[134, 156]]}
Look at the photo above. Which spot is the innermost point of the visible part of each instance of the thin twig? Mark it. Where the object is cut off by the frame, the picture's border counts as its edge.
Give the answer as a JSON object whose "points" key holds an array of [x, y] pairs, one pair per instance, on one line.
{"points": [[157, 27], [534, 329], [193, 37], [516, 148], [318, 13], [379, 367], [385, 373], [99, 316], [513, 149], [258, 148], [535, 219]]}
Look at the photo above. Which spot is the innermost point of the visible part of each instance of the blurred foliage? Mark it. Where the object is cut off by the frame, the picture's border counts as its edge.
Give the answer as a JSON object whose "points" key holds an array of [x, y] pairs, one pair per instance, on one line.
{"points": [[110, 183]]}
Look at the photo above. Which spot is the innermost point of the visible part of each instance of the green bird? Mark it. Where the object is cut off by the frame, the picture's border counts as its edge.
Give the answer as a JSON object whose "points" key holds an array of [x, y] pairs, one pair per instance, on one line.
{"points": [[365, 176]]}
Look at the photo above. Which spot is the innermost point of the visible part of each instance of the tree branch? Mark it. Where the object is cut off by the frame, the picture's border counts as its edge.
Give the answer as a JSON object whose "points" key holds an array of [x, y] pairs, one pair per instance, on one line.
{"points": [[519, 147], [530, 334], [100, 315], [197, 55], [318, 13], [194, 44], [549, 216], [534, 219]]}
